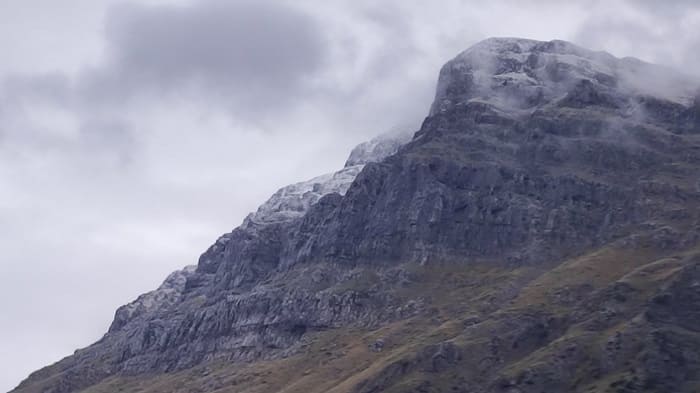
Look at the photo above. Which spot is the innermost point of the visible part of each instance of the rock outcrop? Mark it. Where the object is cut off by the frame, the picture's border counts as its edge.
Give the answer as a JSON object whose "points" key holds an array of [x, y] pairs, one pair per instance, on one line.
{"points": [[557, 187]]}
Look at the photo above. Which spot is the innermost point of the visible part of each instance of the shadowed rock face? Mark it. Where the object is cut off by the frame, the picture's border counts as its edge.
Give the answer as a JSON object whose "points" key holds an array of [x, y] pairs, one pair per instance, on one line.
{"points": [[533, 152]]}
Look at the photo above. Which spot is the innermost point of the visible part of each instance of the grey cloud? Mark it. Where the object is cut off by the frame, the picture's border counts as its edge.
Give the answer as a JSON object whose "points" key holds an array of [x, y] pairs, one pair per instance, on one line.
{"points": [[52, 86], [251, 58], [659, 32], [243, 48], [669, 8]]}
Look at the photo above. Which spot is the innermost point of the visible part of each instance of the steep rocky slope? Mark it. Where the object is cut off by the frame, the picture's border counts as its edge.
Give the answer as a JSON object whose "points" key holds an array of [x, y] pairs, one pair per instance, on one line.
{"points": [[539, 233]]}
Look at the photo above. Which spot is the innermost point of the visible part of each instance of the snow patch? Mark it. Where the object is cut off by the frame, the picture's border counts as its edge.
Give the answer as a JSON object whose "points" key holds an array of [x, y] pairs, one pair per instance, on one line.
{"points": [[294, 201]]}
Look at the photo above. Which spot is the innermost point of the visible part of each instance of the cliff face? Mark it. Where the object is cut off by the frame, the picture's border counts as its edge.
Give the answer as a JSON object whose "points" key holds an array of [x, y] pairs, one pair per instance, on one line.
{"points": [[540, 232]]}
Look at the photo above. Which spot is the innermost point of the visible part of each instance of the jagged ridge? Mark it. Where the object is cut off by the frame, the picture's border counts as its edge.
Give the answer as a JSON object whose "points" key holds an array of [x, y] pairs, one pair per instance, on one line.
{"points": [[533, 153]]}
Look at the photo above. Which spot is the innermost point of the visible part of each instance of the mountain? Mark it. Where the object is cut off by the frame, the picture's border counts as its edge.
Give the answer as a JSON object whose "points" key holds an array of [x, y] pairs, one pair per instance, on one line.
{"points": [[539, 233]]}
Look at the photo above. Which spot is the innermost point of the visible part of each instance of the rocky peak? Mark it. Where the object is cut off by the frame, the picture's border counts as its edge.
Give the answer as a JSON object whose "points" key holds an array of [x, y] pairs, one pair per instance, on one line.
{"points": [[522, 75], [380, 147], [294, 200]]}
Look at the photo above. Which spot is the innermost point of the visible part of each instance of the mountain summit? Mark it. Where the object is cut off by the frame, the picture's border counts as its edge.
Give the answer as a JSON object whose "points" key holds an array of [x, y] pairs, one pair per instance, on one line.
{"points": [[518, 74], [539, 233]]}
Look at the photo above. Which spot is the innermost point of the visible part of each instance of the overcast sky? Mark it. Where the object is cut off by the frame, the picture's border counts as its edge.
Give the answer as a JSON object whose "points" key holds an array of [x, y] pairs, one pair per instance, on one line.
{"points": [[132, 134]]}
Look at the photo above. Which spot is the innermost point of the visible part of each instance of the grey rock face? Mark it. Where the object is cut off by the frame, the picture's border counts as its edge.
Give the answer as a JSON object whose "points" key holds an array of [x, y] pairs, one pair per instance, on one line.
{"points": [[294, 201], [519, 74], [380, 147], [167, 295], [533, 151]]}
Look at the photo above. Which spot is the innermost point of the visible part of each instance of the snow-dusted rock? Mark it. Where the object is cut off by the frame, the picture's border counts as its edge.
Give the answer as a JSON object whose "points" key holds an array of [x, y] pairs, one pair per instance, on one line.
{"points": [[286, 204], [166, 295], [520, 74], [293, 201], [380, 147]]}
